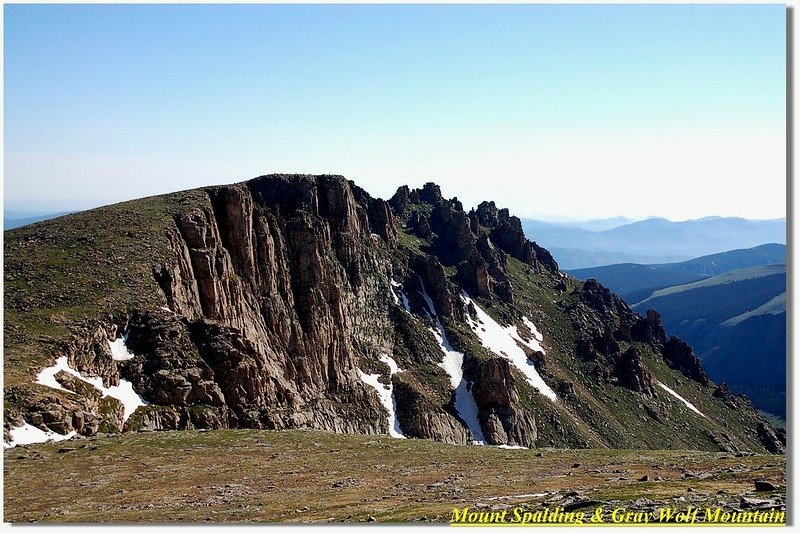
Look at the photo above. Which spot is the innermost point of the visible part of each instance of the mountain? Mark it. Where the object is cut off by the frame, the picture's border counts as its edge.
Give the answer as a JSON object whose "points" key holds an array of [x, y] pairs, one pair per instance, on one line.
{"points": [[15, 219], [596, 224], [736, 322], [634, 282], [573, 259], [677, 241], [302, 302]]}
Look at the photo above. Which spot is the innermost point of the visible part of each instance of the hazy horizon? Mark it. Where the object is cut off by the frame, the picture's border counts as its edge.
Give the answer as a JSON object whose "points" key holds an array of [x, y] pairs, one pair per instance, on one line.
{"points": [[27, 209]]}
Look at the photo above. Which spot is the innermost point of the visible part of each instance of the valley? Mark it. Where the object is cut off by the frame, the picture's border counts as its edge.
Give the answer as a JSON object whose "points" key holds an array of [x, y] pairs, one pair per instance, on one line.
{"points": [[731, 307]]}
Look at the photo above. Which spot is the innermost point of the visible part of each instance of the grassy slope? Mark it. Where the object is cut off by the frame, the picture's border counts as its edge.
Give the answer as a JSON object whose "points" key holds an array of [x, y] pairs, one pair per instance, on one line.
{"points": [[742, 274], [775, 306], [63, 273], [614, 410], [692, 314], [629, 279], [245, 475]]}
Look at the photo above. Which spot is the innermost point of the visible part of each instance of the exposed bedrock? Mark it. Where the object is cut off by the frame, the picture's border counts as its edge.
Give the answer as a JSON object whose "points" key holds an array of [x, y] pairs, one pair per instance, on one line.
{"points": [[292, 292], [422, 412], [649, 329], [502, 418], [633, 374], [284, 292], [771, 440], [679, 355]]}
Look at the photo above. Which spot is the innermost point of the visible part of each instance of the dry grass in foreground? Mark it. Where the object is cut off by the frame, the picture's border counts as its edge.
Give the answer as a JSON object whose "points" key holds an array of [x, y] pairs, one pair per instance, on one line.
{"points": [[311, 476]]}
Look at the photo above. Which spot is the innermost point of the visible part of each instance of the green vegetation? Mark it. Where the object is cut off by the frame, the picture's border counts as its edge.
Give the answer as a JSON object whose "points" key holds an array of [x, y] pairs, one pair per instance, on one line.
{"points": [[63, 274], [260, 476], [728, 277], [407, 239], [433, 377], [635, 282], [775, 306], [772, 419], [736, 324]]}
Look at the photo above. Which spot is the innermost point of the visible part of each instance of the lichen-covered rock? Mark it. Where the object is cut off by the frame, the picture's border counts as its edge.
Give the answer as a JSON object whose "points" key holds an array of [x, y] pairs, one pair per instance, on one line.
{"points": [[157, 418]]}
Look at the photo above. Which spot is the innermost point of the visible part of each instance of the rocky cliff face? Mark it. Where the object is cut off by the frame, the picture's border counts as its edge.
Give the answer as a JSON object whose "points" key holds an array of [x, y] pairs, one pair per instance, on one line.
{"points": [[284, 283], [301, 301]]}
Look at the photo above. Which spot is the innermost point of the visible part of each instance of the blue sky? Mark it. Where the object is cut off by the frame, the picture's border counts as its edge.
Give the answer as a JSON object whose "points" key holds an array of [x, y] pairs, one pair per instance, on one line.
{"points": [[571, 110]]}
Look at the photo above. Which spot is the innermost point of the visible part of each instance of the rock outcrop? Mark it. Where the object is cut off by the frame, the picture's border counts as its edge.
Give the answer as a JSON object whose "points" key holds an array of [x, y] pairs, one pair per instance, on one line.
{"points": [[633, 374], [679, 356], [649, 329], [274, 303], [769, 437], [722, 392], [284, 265], [502, 418], [422, 416]]}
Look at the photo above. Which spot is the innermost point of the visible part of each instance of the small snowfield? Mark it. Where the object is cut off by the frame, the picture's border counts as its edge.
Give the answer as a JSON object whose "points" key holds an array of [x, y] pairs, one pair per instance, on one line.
{"points": [[123, 392], [28, 434], [505, 342], [681, 398], [386, 394]]}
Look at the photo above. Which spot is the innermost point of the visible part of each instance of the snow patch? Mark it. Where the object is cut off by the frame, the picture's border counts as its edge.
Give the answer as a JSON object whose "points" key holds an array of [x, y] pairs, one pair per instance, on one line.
{"points": [[165, 308], [119, 349], [399, 295], [386, 394], [681, 398], [123, 392], [452, 365], [47, 377], [509, 447], [504, 342], [28, 434], [531, 326], [431, 311]]}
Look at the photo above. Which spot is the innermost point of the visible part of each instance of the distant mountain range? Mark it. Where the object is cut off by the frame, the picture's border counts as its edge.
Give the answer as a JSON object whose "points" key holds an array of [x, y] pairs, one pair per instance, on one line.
{"points": [[730, 307], [16, 219], [635, 282], [655, 240], [597, 224]]}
